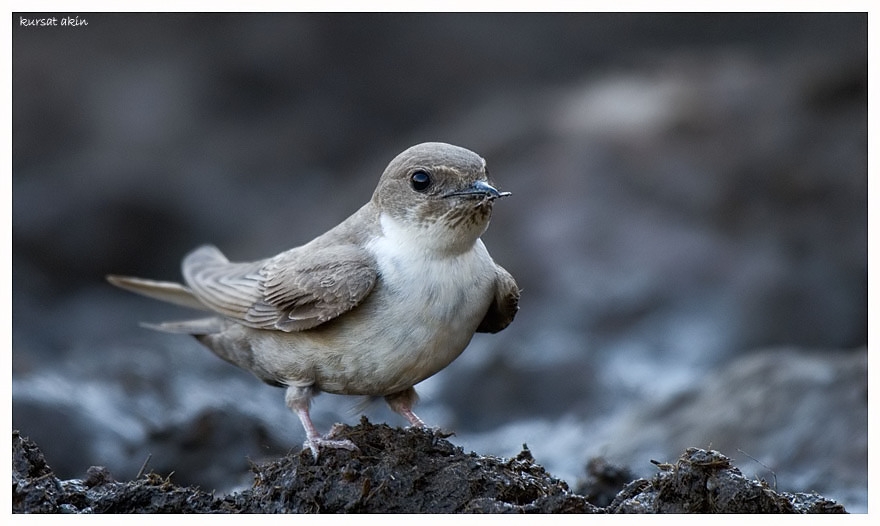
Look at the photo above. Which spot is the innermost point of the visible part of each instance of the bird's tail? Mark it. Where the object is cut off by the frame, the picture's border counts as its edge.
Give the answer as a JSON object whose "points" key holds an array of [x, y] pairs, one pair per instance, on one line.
{"points": [[175, 293], [197, 328], [168, 291]]}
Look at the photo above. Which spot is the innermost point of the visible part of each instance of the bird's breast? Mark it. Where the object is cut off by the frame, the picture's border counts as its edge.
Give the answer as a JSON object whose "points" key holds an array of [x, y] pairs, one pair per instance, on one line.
{"points": [[418, 278], [420, 315], [450, 292]]}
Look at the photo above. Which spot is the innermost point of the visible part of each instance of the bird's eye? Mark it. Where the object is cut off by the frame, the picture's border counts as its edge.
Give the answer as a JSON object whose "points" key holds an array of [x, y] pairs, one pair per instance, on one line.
{"points": [[420, 180]]}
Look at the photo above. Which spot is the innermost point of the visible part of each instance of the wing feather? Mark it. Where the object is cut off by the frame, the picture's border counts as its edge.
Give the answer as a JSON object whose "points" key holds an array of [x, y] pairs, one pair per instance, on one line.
{"points": [[294, 291], [504, 305]]}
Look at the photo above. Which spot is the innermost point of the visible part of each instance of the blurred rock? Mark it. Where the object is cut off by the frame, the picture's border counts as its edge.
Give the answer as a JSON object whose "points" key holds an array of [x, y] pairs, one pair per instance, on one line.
{"points": [[603, 482], [794, 418]]}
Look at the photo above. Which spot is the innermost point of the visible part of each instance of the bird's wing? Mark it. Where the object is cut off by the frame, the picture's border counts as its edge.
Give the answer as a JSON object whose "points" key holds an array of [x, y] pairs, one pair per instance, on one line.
{"points": [[504, 304], [294, 291]]}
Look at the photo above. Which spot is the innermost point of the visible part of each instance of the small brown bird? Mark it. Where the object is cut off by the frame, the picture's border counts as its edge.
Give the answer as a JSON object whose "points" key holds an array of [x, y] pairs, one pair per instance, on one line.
{"points": [[377, 304]]}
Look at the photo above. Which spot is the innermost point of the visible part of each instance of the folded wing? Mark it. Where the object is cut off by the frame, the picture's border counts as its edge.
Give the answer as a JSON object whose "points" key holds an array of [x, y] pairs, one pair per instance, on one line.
{"points": [[505, 303], [294, 291]]}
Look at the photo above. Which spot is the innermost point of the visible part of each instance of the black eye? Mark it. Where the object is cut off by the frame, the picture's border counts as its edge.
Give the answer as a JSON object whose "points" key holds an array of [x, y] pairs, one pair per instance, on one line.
{"points": [[420, 180]]}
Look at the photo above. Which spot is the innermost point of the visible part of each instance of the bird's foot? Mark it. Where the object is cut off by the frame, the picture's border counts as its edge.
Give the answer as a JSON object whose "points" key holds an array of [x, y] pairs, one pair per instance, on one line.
{"points": [[434, 430], [315, 443], [443, 433]]}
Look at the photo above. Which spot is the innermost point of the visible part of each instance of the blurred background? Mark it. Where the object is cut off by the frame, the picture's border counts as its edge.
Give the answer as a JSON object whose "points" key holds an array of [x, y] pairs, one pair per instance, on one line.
{"points": [[688, 225]]}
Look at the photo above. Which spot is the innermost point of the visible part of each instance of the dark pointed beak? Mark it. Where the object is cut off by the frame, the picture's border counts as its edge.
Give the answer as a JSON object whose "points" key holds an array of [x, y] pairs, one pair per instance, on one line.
{"points": [[480, 189]]}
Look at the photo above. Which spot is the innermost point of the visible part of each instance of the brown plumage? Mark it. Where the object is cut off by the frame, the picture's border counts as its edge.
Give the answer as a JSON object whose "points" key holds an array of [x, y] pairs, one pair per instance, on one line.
{"points": [[380, 302]]}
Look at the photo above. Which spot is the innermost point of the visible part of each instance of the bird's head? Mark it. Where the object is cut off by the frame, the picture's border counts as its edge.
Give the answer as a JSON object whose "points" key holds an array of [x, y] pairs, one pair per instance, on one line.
{"points": [[438, 188]]}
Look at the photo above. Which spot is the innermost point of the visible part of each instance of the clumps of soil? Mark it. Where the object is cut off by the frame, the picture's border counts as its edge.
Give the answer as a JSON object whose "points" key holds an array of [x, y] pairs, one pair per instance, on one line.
{"points": [[411, 471], [704, 481], [404, 471], [35, 489]]}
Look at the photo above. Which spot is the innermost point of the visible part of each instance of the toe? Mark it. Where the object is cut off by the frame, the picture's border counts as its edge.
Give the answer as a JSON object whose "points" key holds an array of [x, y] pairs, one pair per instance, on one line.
{"points": [[317, 444]]}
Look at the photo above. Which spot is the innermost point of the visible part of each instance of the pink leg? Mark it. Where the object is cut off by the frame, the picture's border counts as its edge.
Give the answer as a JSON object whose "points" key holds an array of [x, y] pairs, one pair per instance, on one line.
{"points": [[298, 400], [402, 402]]}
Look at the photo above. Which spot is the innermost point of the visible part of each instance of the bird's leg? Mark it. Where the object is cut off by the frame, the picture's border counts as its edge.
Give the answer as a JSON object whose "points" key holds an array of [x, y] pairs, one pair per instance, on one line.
{"points": [[298, 400], [401, 403]]}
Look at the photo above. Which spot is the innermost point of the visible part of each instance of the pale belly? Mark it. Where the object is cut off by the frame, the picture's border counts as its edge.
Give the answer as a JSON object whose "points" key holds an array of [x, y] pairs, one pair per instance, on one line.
{"points": [[391, 342]]}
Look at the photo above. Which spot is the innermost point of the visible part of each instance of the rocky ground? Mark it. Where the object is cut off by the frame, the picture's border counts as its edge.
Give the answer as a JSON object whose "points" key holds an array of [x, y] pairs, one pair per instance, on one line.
{"points": [[412, 471]]}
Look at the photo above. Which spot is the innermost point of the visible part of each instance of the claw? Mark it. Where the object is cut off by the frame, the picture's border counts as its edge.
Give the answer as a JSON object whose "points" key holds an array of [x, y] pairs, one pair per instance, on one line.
{"points": [[315, 444]]}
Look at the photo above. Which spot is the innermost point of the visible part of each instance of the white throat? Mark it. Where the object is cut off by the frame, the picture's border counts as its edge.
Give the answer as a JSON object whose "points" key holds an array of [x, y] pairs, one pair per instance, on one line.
{"points": [[435, 239], [446, 285]]}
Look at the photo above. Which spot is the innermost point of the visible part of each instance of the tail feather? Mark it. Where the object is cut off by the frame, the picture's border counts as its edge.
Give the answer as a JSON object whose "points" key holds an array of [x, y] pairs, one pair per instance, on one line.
{"points": [[195, 327], [168, 291]]}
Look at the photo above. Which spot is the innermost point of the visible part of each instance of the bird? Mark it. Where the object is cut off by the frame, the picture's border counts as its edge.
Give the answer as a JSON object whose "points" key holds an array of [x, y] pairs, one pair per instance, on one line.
{"points": [[380, 302]]}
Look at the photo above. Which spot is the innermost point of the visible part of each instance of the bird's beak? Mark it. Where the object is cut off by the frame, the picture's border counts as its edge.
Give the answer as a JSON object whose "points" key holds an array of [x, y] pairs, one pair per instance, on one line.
{"points": [[480, 189]]}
